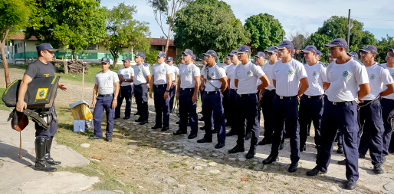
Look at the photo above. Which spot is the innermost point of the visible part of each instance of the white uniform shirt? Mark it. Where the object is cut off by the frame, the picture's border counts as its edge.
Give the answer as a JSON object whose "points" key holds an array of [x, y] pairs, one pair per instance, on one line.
{"points": [[247, 76], [187, 74], [225, 66], [378, 77], [175, 71], [267, 68], [317, 75], [140, 73], [160, 72], [214, 72], [127, 73], [344, 80], [287, 76], [391, 71], [230, 74], [105, 82]]}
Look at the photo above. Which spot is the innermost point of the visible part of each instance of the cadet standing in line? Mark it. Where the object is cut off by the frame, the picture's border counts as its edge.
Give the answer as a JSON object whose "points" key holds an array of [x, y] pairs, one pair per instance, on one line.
{"points": [[225, 93], [232, 95], [105, 93], [345, 76], [216, 83], [170, 62], [387, 103], [187, 89], [161, 84], [287, 74], [126, 79], [142, 78], [245, 79]]}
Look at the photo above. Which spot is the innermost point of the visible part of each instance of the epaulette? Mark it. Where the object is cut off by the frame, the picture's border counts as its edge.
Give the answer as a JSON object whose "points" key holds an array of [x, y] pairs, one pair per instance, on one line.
{"points": [[145, 64]]}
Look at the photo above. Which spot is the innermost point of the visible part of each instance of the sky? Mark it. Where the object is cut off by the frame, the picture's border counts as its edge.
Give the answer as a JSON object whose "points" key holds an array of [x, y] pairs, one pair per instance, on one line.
{"points": [[304, 16]]}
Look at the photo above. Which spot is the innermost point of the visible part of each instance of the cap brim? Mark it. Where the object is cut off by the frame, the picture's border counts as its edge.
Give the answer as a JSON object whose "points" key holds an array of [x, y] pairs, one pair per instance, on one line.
{"points": [[53, 50], [183, 53], [280, 47], [330, 45], [306, 51]]}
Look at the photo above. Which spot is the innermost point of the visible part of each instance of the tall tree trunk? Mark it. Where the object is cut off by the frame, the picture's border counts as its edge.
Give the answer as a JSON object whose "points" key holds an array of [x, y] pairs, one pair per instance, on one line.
{"points": [[115, 60], [5, 62], [168, 39]]}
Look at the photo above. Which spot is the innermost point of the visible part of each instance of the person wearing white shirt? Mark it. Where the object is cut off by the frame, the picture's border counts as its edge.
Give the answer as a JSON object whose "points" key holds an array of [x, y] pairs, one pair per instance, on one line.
{"points": [[232, 94], [348, 81], [170, 62], [312, 102], [161, 83], [387, 103], [371, 111], [141, 78], [105, 93], [215, 83], [290, 80], [225, 103], [187, 89], [126, 78], [246, 75]]}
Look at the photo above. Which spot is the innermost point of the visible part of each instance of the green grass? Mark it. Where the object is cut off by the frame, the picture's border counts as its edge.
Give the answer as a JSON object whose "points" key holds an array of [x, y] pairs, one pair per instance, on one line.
{"points": [[89, 77]]}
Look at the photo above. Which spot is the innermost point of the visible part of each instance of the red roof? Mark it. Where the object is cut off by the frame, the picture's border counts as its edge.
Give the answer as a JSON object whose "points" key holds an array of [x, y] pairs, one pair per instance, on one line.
{"points": [[21, 37], [161, 41]]}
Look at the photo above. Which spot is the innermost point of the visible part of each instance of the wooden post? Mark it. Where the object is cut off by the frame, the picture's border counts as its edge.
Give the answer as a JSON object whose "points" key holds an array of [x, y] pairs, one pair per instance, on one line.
{"points": [[83, 80], [65, 66]]}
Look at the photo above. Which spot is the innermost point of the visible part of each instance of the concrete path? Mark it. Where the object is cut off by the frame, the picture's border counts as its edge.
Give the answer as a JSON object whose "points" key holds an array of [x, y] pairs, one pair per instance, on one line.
{"points": [[18, 175]]}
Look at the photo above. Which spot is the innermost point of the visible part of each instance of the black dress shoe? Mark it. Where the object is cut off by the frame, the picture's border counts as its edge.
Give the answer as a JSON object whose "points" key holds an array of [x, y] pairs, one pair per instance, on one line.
{"points": [[215, 131], [179, 132], [95, 137], [350, 185], [203, 140], [340, 150], [165, 128], [281, 146], [143, 122], [231, 133], [237, 149], [109, 138], [270, 159], [303, 148], [342, 162], [178, 122], [137, 113], [219, 145], [116, 117], [264, 142], [248, 135], [377, 169], [314, 172], [192, 136], [361, 156], [139, 120], [156, 127], [202, 128], [125, 118], [293, 167], [250, 154]]}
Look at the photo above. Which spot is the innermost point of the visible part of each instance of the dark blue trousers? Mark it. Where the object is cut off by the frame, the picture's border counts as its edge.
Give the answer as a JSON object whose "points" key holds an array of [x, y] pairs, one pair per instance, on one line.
{"points": [[342, 117], [126, 93], [387, 107], [212, 103], [266, 106], [371, 131], [246, 108], [225, 105], [311, 109], [232, 115], [187, 108], [202, 109], [50, 131], [172, 97], [103, 103], [141, 98], [285, 111], [162, 106]]}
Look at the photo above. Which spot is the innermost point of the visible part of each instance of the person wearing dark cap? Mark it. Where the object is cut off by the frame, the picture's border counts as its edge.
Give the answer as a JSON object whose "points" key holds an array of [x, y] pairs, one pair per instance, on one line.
{"points": [[215, 83], [246, 76], [141, 80], [225, 102], [105, 93], [311, 103], [175, 69], [354, 55], [126, 79], [290, 80], [387, 103], [348, 81], [161, 83], [38, 69], [232, 95]]}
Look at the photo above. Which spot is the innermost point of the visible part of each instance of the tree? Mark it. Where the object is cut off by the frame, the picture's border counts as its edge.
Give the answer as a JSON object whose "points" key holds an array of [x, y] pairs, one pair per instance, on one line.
{"points": [[12, 20], [265, 31], [299, 39], [383, 47], [319, 40], [209, 24], [68, 24], [166, 10], [151, 57], [125, 32]]}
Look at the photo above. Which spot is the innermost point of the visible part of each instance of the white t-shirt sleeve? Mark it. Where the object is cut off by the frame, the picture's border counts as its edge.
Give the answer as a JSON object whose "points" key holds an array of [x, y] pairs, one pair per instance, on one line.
{"points": [[145, 71], [323, 73], [361, 75], [95, 80], [328, 73], [119, 71], [221, 73], [258, 72], [169, 69], [203, 71], [132, 72], [273, 71], [196, 71], [301, 72], [115, 76], [386, 78]]}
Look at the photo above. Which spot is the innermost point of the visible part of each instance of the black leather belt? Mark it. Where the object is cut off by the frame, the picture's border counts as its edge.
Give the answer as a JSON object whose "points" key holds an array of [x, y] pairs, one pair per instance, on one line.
{"points": [[286, 97], [105, 95], [365, 101], [314, 97], [270, 90], [243, 95], [342, 103], [212, 92], [160, 86], [188, 89], [234, 90]]}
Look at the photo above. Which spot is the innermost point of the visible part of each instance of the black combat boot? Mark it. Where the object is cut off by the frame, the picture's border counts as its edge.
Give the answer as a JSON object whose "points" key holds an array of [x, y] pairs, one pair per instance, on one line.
{"points": [[41, 163], [48, 153]]}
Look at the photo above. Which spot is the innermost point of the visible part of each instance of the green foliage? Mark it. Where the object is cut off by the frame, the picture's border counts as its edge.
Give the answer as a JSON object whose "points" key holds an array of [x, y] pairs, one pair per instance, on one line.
{"points": [[151, 58], [383, 47], [125, 32], [265, 31], [209, 24], [319, 40], [73, 24], [14, 15]]}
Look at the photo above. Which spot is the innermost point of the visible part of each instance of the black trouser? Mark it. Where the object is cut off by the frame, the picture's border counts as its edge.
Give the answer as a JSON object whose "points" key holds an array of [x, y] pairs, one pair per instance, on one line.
{"points": [[311, 109], [172, 97], [126, 93], [50, 131], [246, 109], [225, 105], [266, 106], [141, 98]]}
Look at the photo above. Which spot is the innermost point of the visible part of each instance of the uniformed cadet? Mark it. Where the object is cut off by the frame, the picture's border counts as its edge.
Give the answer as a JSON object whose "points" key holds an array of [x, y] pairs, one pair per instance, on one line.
{"points": [[290, 80], [232, 94], [38, 69], [187, 89], [175, 69], [126, 79], [345, 76], [105, 93], [331, 58], [245, 78], [370, 109], [215, 83], [387, 103], [202, 87], [225, 103], [141, 80], [354, 55], [312, 102]]}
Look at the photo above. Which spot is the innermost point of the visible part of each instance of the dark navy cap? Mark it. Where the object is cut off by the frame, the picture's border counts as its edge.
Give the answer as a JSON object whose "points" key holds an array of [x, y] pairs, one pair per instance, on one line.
{"points": [[44, 47], [233, 52], [354, 55], [126, 59], [170, 59], [161, 54], [318, 53], [370, 48], [228, 57], [310, 48], [193, 57], [260, 54], [286, 44], [272, 49], [187, 52], [244, 49], [211, 53], [337, 42], [139, 54], [105, 60]]}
